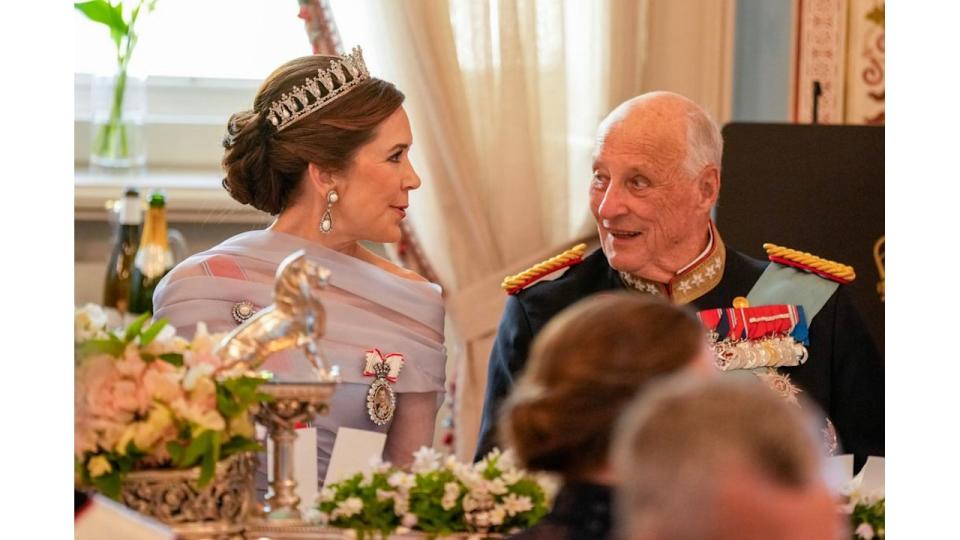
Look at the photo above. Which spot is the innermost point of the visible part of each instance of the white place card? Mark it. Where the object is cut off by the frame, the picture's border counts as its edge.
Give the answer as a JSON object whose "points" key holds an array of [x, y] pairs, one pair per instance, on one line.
{"points": [[354, 450], [873, 476], [839, 472], [304, 466]]}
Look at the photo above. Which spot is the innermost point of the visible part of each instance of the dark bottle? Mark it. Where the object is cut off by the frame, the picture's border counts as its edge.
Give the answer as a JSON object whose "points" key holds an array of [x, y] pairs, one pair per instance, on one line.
{"points": [[154, 257], [116, 286]]}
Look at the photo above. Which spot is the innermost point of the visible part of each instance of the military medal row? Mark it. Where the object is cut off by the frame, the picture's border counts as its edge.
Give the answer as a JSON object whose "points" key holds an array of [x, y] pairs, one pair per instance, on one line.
{"points": [[759, 336]]}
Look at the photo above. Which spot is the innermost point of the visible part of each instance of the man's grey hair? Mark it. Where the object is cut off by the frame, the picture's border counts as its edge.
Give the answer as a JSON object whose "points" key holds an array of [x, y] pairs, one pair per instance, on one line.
{"points": [[704, 142], [674, 442]]}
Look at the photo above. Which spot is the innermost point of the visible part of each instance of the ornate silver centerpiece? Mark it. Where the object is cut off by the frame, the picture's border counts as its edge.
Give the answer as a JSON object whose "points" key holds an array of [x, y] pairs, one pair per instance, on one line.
{"points": [[296, 320], [216, 511]]}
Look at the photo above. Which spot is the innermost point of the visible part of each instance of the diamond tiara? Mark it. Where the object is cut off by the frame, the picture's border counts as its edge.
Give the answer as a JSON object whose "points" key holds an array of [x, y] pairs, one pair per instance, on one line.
{"points": [[327, 86]]}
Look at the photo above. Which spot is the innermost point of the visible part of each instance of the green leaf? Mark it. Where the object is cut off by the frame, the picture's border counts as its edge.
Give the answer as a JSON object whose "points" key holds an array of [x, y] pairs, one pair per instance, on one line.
{"points": [[174, 359], [151, 333], [98, 11], [108, 484], [239, 443], [114, 347], [134, 329], [210, 459], [176, 451], [197, 448], [227, 406]]}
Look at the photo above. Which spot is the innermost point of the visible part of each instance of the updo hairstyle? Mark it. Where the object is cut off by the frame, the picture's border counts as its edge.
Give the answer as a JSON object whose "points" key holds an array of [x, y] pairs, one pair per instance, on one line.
{"points": [[263, 166], [584, 368]]}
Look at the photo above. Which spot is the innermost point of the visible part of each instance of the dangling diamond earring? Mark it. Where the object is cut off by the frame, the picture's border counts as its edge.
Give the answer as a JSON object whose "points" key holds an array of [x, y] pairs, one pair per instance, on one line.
{"points": [[326, 222]]}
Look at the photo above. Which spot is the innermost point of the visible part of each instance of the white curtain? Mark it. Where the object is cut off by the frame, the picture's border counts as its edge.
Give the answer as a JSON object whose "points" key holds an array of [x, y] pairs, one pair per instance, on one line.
{"points": [[504, 97]]}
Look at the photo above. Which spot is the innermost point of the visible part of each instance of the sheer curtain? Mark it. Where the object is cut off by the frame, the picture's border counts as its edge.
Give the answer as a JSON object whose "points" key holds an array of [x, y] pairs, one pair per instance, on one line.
{"points": [[504, 97]]}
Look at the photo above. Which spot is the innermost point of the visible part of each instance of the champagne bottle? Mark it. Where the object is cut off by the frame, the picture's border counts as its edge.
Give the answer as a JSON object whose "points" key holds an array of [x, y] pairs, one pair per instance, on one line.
{"points": [[116, 287], [154, 257]]}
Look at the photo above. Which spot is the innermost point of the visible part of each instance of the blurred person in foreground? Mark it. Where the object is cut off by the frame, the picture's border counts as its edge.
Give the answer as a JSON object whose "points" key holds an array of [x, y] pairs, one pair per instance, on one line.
{"points": [[585, 367], [718, 460]]}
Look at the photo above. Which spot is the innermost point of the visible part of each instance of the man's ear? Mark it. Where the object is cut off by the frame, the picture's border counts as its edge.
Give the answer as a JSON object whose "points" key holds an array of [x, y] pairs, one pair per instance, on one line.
{"points": [[321, 179], [708, 186]]}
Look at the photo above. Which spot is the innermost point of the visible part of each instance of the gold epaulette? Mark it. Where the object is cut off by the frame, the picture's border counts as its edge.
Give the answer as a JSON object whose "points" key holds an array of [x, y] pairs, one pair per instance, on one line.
{"points": [[841, 273], [516, 283]]}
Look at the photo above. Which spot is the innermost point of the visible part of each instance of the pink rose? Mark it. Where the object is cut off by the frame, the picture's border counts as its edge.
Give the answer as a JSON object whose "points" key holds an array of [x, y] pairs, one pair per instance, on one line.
{"points": [[128, 397], [162, 382], [131, 366], [95, 379]]}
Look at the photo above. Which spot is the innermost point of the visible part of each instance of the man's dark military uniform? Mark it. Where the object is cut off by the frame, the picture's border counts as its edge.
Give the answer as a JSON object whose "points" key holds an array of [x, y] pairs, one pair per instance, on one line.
{"points": [[844, 373]]}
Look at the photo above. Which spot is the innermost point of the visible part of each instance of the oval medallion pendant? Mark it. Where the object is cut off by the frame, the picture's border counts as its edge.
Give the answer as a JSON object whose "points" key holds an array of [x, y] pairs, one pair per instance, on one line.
{"points": [[381, 402]]}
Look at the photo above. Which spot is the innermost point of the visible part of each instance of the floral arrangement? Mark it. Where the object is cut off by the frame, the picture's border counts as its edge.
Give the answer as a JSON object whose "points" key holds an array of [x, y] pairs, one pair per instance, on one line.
{"points": [[145, 398], [867, 518], [867, 511], [438, 496]]}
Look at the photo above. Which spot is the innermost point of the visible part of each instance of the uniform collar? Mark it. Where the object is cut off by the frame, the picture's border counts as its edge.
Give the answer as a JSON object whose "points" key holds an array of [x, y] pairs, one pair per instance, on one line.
{"points": [[693, 280]]}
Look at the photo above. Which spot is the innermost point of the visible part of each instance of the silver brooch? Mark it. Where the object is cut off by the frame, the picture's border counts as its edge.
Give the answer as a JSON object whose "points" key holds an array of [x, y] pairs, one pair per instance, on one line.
{"points": [[242, 311], [381, 399]]}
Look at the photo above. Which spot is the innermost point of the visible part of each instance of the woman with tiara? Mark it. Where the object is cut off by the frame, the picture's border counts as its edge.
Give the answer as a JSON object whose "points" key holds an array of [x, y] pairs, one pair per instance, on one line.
{"points": [[325, 150]]}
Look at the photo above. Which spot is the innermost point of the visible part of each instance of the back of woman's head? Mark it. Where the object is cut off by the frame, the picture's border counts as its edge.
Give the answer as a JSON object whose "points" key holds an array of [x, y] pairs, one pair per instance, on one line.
{"points": [[264, 165], [584, 367]]}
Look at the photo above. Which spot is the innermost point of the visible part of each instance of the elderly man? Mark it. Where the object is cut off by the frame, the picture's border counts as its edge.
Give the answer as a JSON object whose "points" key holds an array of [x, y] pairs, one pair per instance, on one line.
{"points": [[656, 176], [695, 460]]}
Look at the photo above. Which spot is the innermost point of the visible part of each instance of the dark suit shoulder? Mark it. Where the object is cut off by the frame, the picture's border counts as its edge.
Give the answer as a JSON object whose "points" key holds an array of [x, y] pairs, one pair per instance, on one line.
{"points": [[542, 300]]}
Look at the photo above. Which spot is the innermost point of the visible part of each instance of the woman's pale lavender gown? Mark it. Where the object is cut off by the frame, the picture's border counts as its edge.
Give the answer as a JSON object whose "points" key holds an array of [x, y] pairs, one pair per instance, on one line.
{"points": [[367, 307]]}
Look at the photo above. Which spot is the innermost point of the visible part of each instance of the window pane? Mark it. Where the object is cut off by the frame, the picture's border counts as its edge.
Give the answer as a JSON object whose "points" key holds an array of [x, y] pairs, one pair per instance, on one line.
{"points": [[239, 39]]}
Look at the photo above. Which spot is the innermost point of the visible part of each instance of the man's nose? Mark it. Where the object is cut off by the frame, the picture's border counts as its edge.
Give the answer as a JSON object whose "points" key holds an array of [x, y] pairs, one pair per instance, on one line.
{"points": [[612, 204]]}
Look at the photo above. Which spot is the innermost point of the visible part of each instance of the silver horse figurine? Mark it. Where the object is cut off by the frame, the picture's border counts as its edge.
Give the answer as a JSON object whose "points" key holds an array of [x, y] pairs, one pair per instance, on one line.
{"points": [[295, 319]]}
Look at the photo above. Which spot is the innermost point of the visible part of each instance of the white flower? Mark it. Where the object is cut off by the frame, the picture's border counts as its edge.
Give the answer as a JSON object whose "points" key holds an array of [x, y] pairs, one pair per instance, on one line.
{"points": [[409, 521], [401, 504], [512, 476], [507, 461], [451, 491], [865, 531], [384, 495], [425, 460], [477, 501], [378, 465], [497, 515], [496, 486], [347, 508], [402, 480], [203, 342], [195, 373], [314, 515], [167, 333], [479, 519], [89, 322], [515, 505], [326, 495]]}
